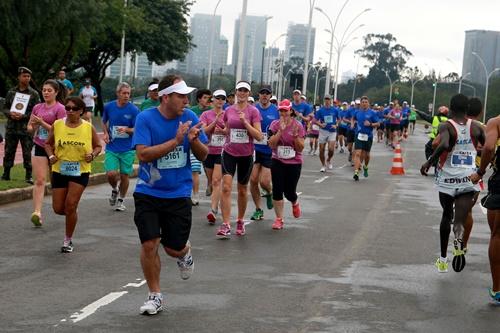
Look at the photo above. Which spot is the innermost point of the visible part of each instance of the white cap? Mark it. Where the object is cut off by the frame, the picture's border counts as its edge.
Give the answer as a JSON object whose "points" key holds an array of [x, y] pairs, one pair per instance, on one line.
{"points": [[219, 92], [251, 99], [297, 91], [274, 98], [243, 84], [352, 103], [345, 103], [405, 102], [358, 101], [153, 87], [303, 97], [180, 88]]}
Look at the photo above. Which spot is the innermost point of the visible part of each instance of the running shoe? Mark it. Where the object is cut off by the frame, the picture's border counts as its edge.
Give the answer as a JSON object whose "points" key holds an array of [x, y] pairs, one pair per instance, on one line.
{"points": [[195, 200], [113, 198], [495, 296], [208, 191], [240, 228], [458, 262], [296, 210], [342, 150], [224, 231], [67, 246], [186, 264], [152, 306], [36, 219], [278, 224], [442, 266], [211, 217], [323, 169], [330, 166], [120, 207], [314, 152], [257, 215], [356, 176], [365, 171], [269, 200]]}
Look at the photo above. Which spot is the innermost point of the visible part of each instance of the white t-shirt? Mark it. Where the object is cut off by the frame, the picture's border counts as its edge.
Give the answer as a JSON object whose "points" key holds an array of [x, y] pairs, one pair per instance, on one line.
{"points": [[87, 94]]}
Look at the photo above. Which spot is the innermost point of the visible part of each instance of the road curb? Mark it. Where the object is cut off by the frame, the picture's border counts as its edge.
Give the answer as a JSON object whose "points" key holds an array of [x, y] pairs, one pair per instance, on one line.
{"points": [[26, 193]]}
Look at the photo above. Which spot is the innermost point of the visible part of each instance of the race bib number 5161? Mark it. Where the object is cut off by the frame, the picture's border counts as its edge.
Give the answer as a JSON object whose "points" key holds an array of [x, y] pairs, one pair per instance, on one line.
{"points": [[175, 159]]}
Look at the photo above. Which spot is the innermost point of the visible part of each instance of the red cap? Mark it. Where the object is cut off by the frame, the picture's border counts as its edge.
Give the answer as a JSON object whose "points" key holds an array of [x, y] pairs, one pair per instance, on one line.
{"points": [[285, 105]]}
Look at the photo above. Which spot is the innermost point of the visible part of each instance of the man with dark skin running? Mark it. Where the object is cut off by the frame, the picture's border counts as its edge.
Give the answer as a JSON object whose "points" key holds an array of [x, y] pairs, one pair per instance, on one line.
{"points": [[456, 153]]}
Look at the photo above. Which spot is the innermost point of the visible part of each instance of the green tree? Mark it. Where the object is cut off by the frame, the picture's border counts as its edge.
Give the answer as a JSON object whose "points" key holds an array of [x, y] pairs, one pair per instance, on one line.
{"points": [[43, 35], [386, 56]]}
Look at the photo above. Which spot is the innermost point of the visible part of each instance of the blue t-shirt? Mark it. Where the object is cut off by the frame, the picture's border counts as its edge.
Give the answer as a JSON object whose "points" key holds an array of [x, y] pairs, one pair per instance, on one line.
{"points": [[405, 113], [343, 114], [169, 176], [361, 116], [328, 116], [67, 83], [386, 113], [268, 116], [116, 117], [302, 108]]}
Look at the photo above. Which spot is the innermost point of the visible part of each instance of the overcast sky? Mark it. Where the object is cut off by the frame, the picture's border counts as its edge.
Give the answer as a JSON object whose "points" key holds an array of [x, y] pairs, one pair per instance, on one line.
{"points": [[432, 30]]}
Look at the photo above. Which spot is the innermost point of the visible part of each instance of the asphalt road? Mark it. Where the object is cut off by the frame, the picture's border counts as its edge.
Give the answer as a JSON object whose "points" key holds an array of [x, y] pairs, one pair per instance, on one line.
{"points": [[359, 260]]}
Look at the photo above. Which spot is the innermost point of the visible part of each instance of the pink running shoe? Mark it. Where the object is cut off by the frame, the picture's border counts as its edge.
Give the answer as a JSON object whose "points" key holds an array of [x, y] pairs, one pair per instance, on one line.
{"points": [[296, 210], [211, 217], [278, 224], [240, 228], [224, 231]]}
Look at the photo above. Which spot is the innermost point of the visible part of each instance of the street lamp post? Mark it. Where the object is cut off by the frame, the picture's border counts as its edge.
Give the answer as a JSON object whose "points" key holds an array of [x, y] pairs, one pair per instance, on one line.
{"points": [[241, 49], [488, 75], [122, 48], [434, 98], [460, 82], [271, 58], [211, 47], [413, 81], [308, 46]]}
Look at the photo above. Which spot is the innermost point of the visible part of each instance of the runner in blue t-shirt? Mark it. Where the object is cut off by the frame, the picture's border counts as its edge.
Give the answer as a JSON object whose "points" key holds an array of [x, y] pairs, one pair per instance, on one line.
{"points": [[163, 139], [301, 108], [366, 121], [326, 118], [405, 122], [387, 124], [343, 126], [261, 171], [351, 112], [118, 122]]}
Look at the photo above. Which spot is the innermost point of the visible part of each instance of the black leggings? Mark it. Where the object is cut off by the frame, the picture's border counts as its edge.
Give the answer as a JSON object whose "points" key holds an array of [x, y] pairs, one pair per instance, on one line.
{"points": [[285, 178], [455, 210]]}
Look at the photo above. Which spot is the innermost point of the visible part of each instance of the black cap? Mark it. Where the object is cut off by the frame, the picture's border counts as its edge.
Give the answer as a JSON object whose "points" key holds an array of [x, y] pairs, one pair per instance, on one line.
{"points": [[22, 70], [266, 89], [230, 94]]}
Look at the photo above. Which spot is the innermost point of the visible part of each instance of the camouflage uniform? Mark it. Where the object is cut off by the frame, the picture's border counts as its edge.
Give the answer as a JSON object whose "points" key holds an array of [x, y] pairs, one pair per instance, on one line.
{"points": [[16, 131]]}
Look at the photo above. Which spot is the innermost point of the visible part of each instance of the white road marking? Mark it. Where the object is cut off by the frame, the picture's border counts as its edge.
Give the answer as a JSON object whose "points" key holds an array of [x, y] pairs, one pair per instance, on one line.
{"points": [[322, 179], [299, 193], [92, 308], [135, 285]]}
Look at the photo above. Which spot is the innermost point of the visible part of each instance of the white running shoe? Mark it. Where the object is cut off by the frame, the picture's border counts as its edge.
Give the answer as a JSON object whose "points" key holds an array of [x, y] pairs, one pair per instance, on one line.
{"points": [[113, 198], [120, 207], [330, 166], [186, 264], [323, 169], [152, 306]]}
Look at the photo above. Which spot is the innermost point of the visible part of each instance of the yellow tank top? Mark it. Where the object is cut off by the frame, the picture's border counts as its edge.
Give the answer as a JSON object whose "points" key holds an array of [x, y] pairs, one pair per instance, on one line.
{"points": [[71, 146]]}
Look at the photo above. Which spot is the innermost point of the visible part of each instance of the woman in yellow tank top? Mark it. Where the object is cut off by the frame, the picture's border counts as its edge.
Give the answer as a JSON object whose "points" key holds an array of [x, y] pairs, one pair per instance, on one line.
{"points": [[71, 146]]}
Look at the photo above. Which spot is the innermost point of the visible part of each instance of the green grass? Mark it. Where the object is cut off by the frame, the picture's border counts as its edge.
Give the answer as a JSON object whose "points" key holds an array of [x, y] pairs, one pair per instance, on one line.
{"points": [[17, 174]]}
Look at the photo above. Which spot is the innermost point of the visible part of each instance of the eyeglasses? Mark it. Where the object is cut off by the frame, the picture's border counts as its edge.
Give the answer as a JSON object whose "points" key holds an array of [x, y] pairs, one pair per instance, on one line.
{"points": [[243, 90], [72, 108]]}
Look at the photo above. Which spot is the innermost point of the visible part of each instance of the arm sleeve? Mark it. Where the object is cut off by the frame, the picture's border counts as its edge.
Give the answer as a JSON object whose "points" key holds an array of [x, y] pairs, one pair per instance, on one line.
{"points": [[424, 116]]}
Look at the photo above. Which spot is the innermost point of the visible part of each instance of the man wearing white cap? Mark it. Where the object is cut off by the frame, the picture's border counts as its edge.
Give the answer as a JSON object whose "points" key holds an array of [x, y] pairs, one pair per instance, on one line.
{"points": [[326, 118], [152, 101], [164, 138], [300, 106]]}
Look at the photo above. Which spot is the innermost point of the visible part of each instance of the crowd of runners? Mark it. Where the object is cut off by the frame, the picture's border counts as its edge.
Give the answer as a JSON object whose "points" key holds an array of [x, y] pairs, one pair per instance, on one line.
{"points": [[259, 144]]}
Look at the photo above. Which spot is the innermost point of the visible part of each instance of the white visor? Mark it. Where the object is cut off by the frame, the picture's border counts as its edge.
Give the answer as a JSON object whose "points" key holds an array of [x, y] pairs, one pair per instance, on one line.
{"points": [[243, 85], [251, 99], [274, 98], [153, 87], [180, 88], [219, 92]]}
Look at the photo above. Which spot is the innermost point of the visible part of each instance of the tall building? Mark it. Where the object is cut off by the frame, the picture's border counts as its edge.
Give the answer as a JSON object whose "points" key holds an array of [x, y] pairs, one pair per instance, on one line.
{"points": [[136, 65], [270, 57], [255, 41], [197, 60], [296, 41], [487, 45]]}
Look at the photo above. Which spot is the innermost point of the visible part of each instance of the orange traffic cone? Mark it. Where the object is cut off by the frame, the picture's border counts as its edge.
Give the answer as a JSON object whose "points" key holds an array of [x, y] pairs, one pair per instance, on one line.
{"points": [[397, 162]]}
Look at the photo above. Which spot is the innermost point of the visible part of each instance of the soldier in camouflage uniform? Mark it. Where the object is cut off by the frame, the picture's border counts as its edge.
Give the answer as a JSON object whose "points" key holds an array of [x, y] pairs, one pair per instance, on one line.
{"points": [[16, 129]]}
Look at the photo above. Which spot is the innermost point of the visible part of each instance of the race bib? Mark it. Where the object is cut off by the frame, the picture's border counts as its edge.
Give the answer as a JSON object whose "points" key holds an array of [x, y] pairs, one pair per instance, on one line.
{"points": [[328, 119], [115, 134], [362, 137], [463, 159], [43, 134], [217, 140], [239, 135], [177, 158], [397, 115], [68, 168], [263, 141], [315, 127], [286, 152]]}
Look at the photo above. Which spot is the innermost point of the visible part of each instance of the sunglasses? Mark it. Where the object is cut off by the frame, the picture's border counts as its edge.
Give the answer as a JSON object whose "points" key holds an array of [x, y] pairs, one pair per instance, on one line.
{"points": [[222, 98], [283, 110], [72, 108], [243, 90]]}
